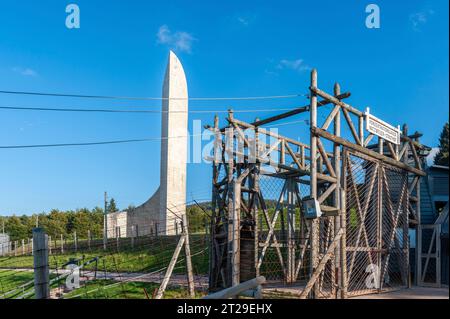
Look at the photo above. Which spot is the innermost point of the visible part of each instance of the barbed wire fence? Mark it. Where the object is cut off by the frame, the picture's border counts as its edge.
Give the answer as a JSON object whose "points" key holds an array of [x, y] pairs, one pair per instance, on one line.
{"points": [[133, 266]]}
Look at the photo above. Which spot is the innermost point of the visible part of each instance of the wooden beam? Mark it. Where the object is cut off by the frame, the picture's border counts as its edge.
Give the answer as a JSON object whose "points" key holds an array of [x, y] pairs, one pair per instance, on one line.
{"points": [[321, 265], [366, 151], [297, 111], [336, 101]]}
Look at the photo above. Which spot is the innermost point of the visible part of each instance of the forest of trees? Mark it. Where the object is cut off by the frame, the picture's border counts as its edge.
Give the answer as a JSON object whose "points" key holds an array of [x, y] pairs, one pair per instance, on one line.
{"points": [[58, 222], [442, 156]]}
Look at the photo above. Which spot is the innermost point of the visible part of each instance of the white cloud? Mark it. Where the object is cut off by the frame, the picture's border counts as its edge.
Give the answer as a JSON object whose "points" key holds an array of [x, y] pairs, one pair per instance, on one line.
{"points": [[296, 65], [25, 71], [419, 19], [179, 40], [243, 21]]}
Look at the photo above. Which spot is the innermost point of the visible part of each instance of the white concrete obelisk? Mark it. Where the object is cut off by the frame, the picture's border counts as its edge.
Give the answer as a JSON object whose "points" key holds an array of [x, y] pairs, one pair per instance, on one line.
{"points": [[162, 213], [174, 145]]}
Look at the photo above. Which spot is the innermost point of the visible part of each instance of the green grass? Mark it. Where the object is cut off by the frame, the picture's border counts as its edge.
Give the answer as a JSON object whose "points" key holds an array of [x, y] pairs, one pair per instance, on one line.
{"points": [[14, 284], [147, 256], [109, 289]]}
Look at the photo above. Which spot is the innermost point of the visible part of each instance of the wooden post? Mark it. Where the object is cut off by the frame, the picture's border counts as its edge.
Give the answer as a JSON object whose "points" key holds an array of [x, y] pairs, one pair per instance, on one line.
{"points": [[291, 230], [313, 177], [41, 269], [230, 196], [234, 291], [337, 192], [62, 244], [50, 245], [187, 251], [343, 254], [23, 247], [15, 248], [105, 221], [418, 250], [169, 271], [89, 239], [236, 221], [75, 241], [117, 237], [380, 145], [212, 248], [438, 255], [132, 235], [380, 219]]}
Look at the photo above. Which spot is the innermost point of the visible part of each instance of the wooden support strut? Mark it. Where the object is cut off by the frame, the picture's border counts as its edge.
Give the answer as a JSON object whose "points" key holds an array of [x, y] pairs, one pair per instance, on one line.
{"points": [[297, 111], [321, 265], [363, 150]]}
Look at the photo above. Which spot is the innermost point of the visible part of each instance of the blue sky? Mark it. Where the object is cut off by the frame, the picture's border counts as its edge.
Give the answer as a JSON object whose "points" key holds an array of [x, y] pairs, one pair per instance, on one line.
{"points": [[228, 48]]}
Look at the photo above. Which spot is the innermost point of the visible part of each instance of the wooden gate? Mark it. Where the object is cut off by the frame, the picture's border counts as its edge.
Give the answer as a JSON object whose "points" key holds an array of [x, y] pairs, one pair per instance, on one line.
{"points": [[377, 244], [429, 267]]}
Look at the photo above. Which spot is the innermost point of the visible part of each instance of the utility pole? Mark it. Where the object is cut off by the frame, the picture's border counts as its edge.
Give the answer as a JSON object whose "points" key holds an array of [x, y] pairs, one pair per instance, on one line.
{"points": [[105, 221], [37, 221]]}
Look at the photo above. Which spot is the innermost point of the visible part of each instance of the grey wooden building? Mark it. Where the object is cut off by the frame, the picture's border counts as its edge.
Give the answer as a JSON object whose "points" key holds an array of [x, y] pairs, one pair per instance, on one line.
{"points": [[434, 194]]}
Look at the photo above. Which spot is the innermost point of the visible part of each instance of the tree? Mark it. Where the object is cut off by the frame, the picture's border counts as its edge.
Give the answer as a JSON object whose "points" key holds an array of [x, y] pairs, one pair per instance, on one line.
{"points": [[15, 228], [112, 206], [441, 157]]}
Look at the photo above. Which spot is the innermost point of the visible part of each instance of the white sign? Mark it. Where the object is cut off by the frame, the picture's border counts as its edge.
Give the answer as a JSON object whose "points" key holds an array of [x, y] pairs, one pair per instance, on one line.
{"points": [[382, 129]]}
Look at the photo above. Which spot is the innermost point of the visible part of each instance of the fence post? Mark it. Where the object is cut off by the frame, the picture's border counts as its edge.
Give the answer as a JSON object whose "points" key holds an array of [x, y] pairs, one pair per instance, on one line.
{"points": [[117, 237], [50, 245], [15, 248], [187, 251], [343, 244], [75, 241], [23, 247], [169, 270], [89, 239], [62, 244], [314, 259], [132, 235], [41, 270]]}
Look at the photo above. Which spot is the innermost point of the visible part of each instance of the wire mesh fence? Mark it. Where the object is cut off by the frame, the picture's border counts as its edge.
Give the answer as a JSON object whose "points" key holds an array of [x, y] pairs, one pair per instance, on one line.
{"points": [[121, 267], [376, 226]]}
